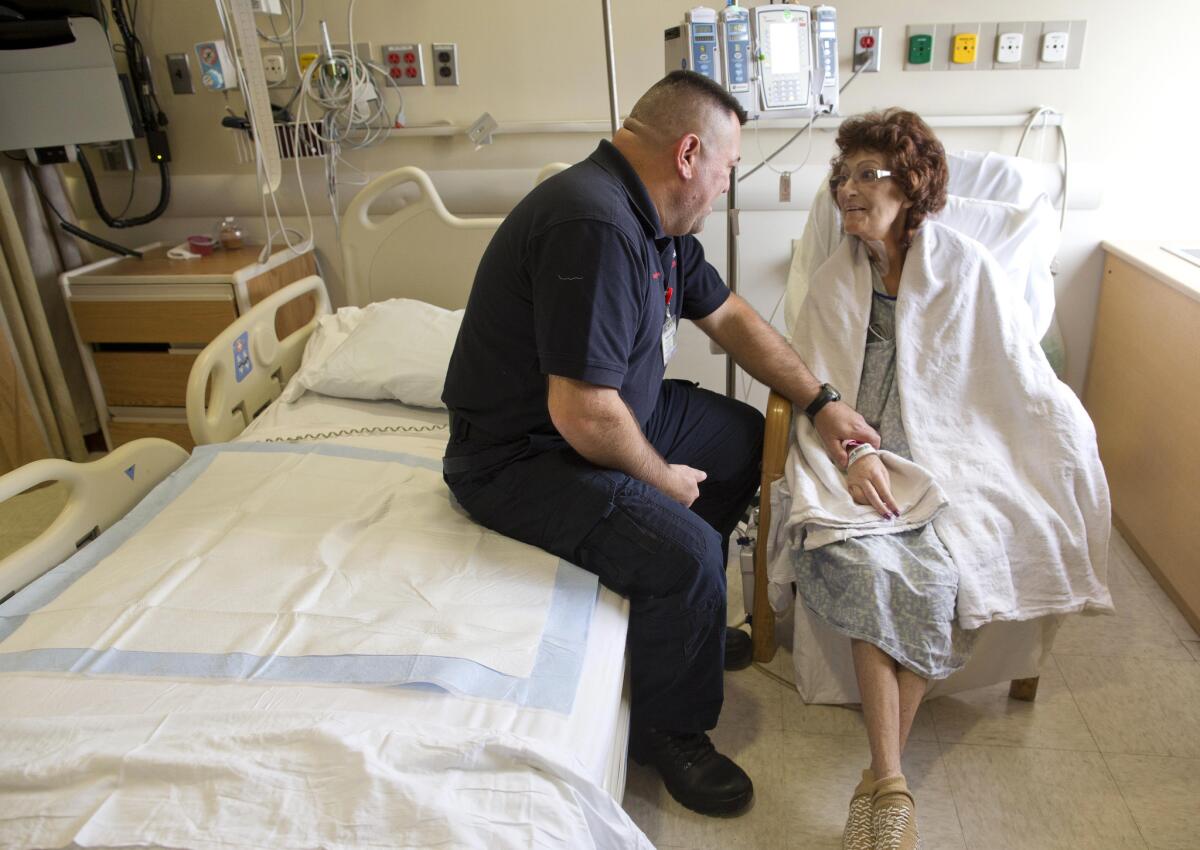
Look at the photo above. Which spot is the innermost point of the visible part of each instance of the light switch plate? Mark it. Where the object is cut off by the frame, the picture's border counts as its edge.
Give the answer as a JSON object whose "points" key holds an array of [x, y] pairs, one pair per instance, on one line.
{"points": [[179, 69]]}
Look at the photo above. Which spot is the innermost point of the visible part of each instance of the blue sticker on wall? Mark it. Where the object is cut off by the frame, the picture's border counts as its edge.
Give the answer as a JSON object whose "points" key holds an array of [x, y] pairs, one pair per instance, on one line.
{"points": [[241, 356]]}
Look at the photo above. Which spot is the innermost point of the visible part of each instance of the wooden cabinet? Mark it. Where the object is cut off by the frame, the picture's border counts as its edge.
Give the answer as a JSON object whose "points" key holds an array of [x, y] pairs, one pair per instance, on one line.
{"points": [[1143, 393], [140, 324]]}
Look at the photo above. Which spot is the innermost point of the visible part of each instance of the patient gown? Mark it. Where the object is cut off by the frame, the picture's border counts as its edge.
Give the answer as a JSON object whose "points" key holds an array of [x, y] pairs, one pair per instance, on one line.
{"points": [[896, 591]]}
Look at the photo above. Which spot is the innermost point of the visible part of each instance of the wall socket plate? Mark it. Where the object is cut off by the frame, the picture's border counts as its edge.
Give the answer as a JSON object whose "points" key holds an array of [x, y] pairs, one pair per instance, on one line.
{"points": [[274, 68], [868, 45], [445, 64], [405, 64]]}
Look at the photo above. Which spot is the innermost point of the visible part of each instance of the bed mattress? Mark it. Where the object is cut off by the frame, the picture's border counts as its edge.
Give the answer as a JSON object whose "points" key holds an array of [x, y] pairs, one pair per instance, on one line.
{"points": [[575, 751]]}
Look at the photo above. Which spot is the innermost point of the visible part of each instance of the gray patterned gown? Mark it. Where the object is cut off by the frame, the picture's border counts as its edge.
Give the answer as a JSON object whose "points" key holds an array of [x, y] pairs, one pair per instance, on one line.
{"points": [[896, 591]]}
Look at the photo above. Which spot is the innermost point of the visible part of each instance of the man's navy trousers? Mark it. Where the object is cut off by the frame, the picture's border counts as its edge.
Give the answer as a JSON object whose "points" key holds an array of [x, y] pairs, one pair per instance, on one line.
{"points": [[667, 559]]}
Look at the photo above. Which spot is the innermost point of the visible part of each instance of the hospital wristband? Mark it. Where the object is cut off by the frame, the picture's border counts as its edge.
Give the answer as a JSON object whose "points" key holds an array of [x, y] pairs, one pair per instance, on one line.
{"points": [[860, 451]]}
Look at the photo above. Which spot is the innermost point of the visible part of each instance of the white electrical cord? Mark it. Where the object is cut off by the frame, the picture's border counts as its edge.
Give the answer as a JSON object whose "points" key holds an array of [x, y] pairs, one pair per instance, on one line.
{"points": [[1062, 137], [293, 25], [806, 128]]}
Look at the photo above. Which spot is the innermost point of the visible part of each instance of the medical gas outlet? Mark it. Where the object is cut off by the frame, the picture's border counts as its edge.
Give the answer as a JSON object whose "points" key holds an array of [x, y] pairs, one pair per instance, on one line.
{"points": [[1002, 46]]}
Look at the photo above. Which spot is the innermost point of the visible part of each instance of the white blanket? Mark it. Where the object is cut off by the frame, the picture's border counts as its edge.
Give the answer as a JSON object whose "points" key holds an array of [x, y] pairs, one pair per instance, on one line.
{"points": [[285, 780], [1028, 515]]}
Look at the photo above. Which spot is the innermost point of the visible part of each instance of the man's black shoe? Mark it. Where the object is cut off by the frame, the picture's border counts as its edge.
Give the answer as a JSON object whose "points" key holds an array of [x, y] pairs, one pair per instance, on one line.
{"points": [[694, 772], [739, 649]]}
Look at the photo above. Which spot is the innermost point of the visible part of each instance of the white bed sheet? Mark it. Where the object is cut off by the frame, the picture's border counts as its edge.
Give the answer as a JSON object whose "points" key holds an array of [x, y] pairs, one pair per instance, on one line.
{"points": [[598, 724], [588, 742]]}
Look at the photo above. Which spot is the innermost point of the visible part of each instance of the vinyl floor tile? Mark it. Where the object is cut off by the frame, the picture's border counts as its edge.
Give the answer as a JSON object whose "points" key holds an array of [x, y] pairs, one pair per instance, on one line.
{"points": [[1140, 706], [1008, 798], [1163, 797]]}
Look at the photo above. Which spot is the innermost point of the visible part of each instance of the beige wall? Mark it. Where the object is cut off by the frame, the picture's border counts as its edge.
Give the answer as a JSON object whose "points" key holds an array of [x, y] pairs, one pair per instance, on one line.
{"points": [[1131, 114]]}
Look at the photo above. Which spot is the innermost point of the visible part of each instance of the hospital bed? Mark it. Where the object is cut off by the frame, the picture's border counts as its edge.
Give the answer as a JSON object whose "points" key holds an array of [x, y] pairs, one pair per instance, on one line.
{"points": [[1006, 204], [294, 637]]}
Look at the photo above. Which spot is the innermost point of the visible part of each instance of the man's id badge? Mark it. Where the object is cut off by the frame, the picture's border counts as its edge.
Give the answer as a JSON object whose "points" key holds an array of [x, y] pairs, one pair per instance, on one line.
{"points": [[668, 337]]}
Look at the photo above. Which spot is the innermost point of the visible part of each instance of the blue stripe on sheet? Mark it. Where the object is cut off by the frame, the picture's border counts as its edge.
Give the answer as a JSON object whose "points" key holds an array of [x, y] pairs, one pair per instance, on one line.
{"points": [[551, 685]]}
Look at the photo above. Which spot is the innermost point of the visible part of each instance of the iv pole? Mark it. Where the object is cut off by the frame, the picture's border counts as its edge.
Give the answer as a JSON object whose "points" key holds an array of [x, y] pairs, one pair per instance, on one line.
{"points": [[614, 116]]}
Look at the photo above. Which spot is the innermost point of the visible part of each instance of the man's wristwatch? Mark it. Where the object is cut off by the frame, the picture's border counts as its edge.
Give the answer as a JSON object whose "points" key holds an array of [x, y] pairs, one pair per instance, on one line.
{"points": [[825, 395]]}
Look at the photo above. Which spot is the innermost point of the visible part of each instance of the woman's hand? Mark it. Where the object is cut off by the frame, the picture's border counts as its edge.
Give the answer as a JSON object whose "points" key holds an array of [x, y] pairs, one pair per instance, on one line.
{"points": [[838, 422], [869, 484]]}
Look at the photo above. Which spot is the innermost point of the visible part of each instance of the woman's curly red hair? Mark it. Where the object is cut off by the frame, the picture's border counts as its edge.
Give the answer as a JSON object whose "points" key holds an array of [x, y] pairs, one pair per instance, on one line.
{"points": [[916, 157]]}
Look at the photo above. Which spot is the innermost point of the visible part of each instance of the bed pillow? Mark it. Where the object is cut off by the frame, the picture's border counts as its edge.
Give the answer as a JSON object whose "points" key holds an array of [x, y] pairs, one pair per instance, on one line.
{"points": [[1022, 239], [398, 349], [997, 177]]}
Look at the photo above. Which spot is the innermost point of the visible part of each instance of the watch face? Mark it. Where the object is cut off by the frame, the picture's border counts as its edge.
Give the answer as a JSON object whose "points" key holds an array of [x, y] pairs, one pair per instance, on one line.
{"points": [[834, 395]]}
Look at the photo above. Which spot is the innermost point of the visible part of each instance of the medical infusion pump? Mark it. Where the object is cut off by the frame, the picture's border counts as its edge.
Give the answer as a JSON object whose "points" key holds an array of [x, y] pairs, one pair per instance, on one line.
{"points": [[778, 60]]}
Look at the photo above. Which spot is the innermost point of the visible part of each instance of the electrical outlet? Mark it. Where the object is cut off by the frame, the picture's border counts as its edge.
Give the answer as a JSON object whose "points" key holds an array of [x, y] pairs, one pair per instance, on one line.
{"points": [[404, 64], [1054, 46], [445, 64], [274, 68], [868, 43], [1009, 46]]}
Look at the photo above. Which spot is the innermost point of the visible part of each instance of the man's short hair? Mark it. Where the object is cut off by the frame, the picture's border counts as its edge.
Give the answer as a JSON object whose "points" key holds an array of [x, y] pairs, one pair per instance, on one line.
{"points": [[680, 101]]}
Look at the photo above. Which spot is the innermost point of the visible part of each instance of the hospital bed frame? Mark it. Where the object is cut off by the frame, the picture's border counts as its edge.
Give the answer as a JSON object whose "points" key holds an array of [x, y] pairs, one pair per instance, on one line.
{"points": [[99, 494]]}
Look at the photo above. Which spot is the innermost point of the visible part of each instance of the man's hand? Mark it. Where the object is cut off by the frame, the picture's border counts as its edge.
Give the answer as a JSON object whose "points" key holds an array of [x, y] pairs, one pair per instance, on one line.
{"points": [[760, 350], [683, 484], [869, 484], [837, 422]]}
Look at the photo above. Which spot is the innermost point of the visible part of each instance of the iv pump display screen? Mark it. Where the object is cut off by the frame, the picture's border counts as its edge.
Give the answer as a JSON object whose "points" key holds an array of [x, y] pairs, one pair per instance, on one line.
{"points": [[785, 48]]}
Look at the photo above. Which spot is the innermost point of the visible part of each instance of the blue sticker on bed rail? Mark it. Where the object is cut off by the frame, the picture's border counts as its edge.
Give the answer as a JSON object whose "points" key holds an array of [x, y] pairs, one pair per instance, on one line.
{"points": [[241, 356], [552, 683]]}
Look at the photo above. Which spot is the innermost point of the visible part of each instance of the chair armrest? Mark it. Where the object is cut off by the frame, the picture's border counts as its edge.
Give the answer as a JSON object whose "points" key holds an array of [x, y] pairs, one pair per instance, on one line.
{"points": [[775, 451]]}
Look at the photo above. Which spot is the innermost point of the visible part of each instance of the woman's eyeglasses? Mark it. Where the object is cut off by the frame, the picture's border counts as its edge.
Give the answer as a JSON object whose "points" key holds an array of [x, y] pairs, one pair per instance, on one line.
{"points": [[862, 175]]}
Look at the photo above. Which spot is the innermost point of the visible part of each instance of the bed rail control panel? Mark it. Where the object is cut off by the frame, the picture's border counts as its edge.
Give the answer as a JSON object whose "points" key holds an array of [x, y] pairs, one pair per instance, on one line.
{"points": [[242, 364]]}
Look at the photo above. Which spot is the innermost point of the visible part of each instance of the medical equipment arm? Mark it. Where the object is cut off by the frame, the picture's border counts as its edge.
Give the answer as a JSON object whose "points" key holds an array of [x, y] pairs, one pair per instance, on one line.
{"points": [[101, 492], [247, 366]]}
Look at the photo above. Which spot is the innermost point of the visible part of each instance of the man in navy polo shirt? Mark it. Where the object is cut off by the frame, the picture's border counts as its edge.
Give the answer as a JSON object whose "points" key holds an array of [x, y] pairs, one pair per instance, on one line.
{"points": [[565, 435]]}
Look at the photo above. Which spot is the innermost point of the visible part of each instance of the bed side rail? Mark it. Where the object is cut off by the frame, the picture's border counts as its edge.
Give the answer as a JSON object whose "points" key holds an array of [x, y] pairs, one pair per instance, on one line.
{"points": [[101, 492], [247, 366]]}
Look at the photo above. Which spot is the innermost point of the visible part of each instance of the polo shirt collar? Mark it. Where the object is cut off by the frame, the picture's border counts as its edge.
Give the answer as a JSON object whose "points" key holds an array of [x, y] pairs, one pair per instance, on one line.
{"points": [[614, 162]]}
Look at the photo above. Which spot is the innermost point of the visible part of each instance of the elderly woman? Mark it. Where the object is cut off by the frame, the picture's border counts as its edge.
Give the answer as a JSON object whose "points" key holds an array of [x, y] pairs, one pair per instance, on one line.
{"points": [[986, 500]]}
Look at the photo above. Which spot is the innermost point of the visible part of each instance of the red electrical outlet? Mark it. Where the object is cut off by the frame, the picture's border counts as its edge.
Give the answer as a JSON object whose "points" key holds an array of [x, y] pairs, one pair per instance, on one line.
{"points": [[404, 64]]}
